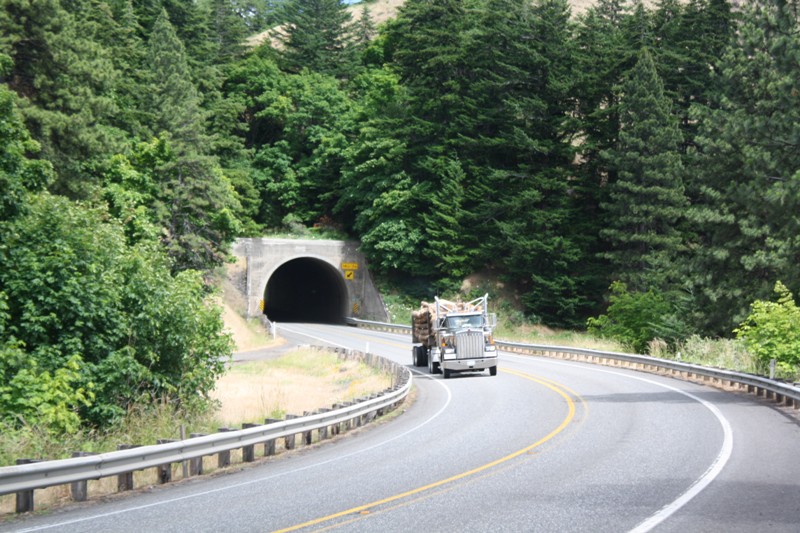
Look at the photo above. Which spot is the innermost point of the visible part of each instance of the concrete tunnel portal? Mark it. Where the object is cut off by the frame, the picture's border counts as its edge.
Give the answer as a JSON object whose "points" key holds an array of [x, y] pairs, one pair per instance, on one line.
{"points": [[306, 290]]}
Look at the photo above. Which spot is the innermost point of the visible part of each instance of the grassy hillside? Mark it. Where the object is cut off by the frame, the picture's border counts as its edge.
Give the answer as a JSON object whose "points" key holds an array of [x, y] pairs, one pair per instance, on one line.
{"points": [[382, 10]]}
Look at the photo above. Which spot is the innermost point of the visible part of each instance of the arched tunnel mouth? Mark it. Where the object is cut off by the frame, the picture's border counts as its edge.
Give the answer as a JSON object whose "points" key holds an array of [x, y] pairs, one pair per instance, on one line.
{"points": [[306, 290]]}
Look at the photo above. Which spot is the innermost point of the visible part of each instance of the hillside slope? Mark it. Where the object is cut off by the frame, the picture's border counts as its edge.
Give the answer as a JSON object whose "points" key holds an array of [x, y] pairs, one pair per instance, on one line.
{"points": [[382, 10]]}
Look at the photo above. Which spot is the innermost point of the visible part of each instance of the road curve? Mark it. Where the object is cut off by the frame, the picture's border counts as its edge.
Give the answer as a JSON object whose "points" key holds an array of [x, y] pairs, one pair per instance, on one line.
{"points": [[544, 446]]}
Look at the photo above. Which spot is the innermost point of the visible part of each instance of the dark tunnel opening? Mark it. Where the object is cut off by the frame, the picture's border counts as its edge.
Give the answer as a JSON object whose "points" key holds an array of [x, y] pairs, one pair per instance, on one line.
{"points": [[306, 290]]}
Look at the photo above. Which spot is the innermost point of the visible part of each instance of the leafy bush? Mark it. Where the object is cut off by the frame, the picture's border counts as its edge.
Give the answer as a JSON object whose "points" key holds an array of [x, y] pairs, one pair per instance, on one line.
{"points": [[636, 318], [772, 331], [91, 325]]}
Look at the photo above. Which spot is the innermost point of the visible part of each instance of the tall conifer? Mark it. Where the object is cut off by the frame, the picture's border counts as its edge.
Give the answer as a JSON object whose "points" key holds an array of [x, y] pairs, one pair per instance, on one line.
{"points": [[196, 203], [316, 36], [746, 190], [647, 198]]}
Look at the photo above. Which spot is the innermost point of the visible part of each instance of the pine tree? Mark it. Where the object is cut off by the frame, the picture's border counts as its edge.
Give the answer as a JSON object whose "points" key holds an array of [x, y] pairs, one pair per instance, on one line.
{"points": [[173, 98], [444, 223], [426, 45], [364, 30], [646, 200], [196, 203], [228, 29], [67, 81], [746, 186], [18, 174], [317, 37], [517, 138], [689, 42]]}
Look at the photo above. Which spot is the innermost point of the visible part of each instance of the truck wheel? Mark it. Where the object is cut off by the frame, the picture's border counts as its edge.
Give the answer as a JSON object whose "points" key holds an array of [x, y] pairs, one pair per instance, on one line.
{"points": [[414, 353], [446, 373], [493, 370], [423, 356]]}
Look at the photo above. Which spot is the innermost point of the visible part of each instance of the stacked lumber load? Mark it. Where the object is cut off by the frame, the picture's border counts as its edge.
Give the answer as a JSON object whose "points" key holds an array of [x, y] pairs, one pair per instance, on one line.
{"points": [[422, 323], [424, 319]]}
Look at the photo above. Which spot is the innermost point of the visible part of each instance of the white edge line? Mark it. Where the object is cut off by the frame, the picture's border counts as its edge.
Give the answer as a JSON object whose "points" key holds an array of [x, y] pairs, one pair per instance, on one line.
{"points": [[725, 452]]}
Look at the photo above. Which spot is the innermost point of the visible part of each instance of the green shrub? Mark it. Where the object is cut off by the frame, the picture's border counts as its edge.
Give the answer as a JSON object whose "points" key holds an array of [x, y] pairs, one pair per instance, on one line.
{"points": [[636, 318], [772, 331]]}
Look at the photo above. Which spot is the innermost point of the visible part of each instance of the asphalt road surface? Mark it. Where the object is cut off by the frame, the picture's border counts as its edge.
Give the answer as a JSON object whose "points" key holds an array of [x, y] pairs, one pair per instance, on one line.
{"points": [[543, 446]]}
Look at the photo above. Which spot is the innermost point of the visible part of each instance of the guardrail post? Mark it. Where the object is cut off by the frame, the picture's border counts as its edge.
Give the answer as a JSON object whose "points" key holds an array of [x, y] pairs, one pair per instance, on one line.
{"points": [[289, 441], [323, 431], [79, 490], [248, 452], [269, 446], [164, 472], [223, 457], [336, 429], [307, 434], [125, 480], [25, 497], [369, 417], [196, 464]]}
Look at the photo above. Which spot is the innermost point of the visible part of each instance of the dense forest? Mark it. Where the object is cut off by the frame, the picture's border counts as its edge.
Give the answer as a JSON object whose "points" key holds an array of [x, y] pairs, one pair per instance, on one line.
{"points": [[631, 151]]}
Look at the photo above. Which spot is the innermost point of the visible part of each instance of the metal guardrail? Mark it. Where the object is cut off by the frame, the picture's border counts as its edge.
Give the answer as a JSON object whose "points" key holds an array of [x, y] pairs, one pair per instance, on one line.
{"points": [[38, 475], [785, 393]]}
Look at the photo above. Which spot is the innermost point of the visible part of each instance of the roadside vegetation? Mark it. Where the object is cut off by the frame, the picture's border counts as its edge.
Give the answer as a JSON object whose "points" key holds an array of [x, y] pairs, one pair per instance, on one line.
{"points": [[300, 380]]}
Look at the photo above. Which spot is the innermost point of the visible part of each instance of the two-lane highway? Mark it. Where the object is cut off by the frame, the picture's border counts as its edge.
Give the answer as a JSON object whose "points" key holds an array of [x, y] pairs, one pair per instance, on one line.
{"points": [[543, 446]]}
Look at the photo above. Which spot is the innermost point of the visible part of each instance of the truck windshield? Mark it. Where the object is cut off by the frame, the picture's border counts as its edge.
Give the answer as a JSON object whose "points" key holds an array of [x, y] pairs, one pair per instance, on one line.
{"points": [[459, 322]]}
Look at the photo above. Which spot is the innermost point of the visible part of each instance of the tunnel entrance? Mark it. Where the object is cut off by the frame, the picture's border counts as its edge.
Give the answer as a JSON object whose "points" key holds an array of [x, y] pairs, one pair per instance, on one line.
{"points": [[306, 290]]}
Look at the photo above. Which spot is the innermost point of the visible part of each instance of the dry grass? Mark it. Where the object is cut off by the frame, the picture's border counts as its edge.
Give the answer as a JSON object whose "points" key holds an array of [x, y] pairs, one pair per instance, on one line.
{"points": [[304, 380]]}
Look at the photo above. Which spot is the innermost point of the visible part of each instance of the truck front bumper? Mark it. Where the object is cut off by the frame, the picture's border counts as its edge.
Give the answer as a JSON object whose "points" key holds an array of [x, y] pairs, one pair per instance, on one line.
{"points": [[464, 365]]}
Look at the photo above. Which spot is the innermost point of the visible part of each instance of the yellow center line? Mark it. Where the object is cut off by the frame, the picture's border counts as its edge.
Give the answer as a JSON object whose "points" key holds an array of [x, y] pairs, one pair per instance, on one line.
{"points": [[564, 423]]}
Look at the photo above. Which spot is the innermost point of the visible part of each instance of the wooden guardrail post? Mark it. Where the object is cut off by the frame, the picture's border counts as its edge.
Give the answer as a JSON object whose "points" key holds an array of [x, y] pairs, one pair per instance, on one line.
{"points": [[79, 490], [323, 431], [25, 497], [248, 452], [125, 480], [269, 446], [337, 427], [289, 441], [223, 457], [307, 438], [196, 464], [164, 472]]}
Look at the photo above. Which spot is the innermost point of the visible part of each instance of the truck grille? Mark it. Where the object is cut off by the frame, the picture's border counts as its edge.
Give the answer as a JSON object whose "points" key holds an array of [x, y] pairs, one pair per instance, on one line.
{"points": [[469, 344]]}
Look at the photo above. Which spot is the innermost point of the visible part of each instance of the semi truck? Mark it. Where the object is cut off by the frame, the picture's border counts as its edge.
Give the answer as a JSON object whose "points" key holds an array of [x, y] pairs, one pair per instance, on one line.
{"points": [[452, 337]]}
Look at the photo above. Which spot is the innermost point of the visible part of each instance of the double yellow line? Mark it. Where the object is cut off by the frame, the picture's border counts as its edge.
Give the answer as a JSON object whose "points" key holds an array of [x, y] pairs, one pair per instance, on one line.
{"points": [[558, 389]]}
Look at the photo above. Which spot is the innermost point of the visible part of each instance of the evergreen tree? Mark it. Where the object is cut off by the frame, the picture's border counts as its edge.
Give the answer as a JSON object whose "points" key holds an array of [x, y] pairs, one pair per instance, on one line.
{"points": [[602, 60], [444, 223], [316, 36], [196, 203], [379, 201], [647, 199], [519, 137], [747, 186], [688, 45], [364, 30], [228, 28], [18, 174], [173, 98], [67, 80], [426, 45]]}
